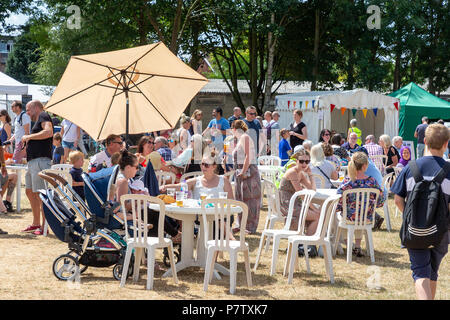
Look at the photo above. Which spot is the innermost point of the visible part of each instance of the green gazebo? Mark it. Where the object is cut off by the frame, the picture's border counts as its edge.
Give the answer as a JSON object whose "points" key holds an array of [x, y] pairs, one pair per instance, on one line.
{"points": [[415, 103]]}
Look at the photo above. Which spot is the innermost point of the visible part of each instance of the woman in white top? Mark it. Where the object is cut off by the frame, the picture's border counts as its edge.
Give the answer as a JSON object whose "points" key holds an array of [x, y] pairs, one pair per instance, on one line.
{"points": [[209, 183], [196, 122], [184, 134], [322, 167]]}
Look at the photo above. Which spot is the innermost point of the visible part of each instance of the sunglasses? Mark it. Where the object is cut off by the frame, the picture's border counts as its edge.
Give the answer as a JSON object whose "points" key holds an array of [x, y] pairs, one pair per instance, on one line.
{"points": [[118, 142], [206, 165], [252, 113], [304, 161], [326, 134]]}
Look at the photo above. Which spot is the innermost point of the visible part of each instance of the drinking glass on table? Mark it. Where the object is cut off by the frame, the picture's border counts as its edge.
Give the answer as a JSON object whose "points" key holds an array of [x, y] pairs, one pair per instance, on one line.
{"points": [[223, 195], [180, 197], [203, 196]]}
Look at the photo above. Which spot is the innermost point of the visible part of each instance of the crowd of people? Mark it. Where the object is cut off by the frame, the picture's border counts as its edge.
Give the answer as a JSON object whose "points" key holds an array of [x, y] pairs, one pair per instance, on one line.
{"points": [[218, 147]]}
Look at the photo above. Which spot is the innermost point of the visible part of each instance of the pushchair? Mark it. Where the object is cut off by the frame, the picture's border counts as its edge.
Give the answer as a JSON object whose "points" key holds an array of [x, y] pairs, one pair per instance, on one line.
{"points": [[97, 189], [75, 224]]}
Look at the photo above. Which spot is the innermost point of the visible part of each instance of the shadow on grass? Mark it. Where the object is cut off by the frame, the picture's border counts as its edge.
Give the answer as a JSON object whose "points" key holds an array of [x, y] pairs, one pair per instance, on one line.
{"points": [[382, 258], [19, 236]]}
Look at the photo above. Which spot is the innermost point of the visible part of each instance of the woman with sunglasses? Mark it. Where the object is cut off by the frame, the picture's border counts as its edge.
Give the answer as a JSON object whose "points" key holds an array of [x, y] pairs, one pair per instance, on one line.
{"points": [[325, 136], [295, 179]]}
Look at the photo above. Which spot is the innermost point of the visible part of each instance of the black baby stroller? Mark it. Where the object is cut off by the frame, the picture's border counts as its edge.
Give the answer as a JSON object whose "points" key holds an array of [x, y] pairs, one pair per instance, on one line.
{"points": [[74, 223], [97, 189]]}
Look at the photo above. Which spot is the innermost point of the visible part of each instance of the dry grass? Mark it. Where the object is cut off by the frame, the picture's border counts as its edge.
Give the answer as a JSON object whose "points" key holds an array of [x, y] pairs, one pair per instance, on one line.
{"points": [[26, 272]]}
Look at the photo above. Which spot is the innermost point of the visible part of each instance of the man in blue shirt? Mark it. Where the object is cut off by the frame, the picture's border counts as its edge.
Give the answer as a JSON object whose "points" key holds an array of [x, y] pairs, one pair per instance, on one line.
{"points": [[425, 262], [217, 128], [254, 129], [420, 135], [237, 115]]}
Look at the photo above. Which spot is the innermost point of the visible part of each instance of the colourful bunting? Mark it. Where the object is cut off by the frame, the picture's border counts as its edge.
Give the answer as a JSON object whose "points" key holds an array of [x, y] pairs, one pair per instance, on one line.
{"points": [[375, 111], [313, 103], [343, 110], [295, 103], [332, 106], [289, 103], [306, 104], [364, 112], [301, 102], [396, 105], [354, 112]]}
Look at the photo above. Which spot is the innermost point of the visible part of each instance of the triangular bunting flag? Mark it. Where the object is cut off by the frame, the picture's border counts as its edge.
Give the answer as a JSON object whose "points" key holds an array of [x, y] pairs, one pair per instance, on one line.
{"points": [[354, 112], [343, 110], [289, 103], [364, 112], [396, 105], [306, 104], [375, 111], [295, 103], [301, 102], [332, 106], [313, 103]]}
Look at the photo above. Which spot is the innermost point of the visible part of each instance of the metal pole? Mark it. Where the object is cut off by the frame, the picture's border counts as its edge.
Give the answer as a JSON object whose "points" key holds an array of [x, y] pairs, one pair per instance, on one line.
{"points": [[127, 124]]}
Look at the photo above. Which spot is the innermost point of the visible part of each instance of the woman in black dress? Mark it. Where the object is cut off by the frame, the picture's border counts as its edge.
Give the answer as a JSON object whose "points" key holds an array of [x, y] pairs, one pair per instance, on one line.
{"points": [[392, 154], [298, 132]]}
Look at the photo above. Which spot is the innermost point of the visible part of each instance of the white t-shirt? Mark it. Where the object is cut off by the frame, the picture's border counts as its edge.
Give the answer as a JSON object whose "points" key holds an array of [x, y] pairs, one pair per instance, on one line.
{"points": [[70, 131], [19, 132], [99, 158]]}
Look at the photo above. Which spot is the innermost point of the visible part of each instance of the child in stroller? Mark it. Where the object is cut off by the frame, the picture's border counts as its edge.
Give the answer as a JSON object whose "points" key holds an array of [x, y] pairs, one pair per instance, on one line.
{"points": [[88, 244]]}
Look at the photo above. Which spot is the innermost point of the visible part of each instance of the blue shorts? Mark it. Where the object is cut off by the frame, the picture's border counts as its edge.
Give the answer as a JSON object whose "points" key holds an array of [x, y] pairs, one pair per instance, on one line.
{"points": [[68, 145], [425, 262]]}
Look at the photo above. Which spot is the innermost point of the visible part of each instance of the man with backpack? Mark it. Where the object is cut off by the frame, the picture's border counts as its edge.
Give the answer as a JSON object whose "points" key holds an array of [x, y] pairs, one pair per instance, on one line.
{"points": [[422, 194], [22, 123]]}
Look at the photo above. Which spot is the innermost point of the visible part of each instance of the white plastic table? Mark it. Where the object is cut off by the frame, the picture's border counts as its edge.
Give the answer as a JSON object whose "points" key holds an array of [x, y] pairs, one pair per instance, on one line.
{"points": [[188, 214], [19, 168]]}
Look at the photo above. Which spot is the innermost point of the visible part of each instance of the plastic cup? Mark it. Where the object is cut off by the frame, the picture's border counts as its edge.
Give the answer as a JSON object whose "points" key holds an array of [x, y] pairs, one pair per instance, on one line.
{"points": [[180, 197], [223, 195], [171, 192]]}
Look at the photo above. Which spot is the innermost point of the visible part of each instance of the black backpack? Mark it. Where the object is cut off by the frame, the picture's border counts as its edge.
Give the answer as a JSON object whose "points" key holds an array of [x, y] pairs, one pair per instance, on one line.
{"points": [[426, 214]]}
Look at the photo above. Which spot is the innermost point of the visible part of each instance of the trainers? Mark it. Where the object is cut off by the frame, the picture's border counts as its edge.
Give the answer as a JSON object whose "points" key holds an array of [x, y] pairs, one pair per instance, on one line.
{"points": [[3, 232], [301, 251], [8, 206], [358, 252], [31, 228], [312, 251]]}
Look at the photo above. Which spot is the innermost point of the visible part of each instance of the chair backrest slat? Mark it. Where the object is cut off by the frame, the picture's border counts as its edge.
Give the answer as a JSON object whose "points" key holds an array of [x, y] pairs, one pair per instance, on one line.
{"points": [[306, 201], [326, 214], [269, 161], [222, 211], [362, 204], [140, 211]]}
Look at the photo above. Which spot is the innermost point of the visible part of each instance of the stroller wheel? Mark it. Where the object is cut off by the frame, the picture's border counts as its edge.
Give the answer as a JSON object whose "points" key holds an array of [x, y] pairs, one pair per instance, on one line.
{"points": [[66, 267], [83, 268], [117, 271]]}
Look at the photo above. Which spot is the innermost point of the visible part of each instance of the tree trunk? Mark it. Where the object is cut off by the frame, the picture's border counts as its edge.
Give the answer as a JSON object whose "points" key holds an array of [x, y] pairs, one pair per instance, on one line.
{"points": [[253, 65], [350, 70], [315, 71], [176, 28], [271, 41]]}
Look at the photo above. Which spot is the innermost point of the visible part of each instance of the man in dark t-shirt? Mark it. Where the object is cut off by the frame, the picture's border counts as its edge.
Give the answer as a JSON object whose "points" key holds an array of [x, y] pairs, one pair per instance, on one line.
{"points": [[39, 157], [254, 129], [420, 135]]}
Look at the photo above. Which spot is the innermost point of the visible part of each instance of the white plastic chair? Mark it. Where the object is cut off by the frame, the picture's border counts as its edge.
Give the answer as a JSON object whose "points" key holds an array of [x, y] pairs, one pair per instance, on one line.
{"points": [[269, 161], [361, 222], [68, 177], [284, 233], [380, 162], [222, 242], [140, 241], [387, 180], [322, 237], [190, 175], [164, 176], [62, 166], [319, 180], [273, 208]]}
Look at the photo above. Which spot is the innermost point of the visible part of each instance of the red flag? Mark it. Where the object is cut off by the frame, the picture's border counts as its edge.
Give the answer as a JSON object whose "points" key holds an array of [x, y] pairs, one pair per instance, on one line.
{"points": [[289, 103], [332, 106], [396, 105]]}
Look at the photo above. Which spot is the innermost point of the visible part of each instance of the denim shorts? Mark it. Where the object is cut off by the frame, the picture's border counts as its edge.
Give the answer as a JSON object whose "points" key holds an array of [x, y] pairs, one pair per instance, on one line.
{"points": [[32, 180], [68, 145], [425, 262]]}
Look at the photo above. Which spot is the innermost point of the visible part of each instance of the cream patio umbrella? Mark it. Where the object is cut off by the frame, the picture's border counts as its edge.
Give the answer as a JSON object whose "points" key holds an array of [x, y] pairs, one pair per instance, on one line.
{"points": [[129, 91]]}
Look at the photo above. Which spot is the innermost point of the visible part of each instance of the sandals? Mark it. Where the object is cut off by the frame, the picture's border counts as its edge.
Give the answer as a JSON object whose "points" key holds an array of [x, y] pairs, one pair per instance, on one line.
{"points": [[358, 252]]}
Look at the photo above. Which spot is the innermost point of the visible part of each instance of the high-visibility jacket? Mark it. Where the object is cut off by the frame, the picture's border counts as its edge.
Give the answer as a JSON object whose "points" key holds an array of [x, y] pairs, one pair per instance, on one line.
{"points": [[358, 133]]}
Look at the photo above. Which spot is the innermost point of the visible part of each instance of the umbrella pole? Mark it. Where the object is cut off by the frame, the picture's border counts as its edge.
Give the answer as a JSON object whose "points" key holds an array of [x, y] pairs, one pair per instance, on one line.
{"points": [[127, 118]]}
